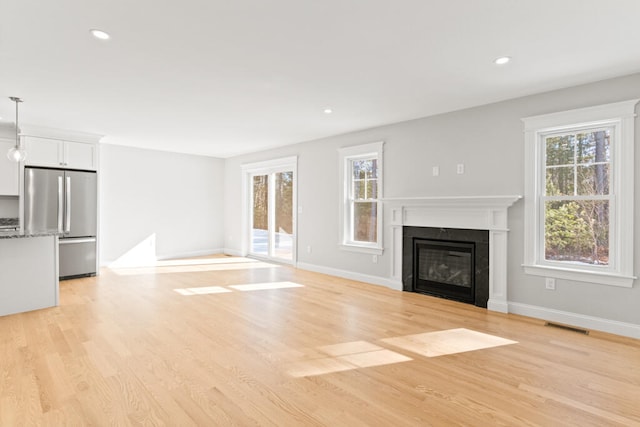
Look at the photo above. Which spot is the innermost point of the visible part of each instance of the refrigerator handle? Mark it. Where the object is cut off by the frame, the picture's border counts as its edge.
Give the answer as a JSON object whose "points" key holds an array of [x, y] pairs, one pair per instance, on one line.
{"points": [[67, 226], [60, 205]]}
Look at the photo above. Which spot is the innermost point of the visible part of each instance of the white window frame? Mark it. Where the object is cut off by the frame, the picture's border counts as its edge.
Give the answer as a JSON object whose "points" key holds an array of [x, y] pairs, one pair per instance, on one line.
{"points": [[621, 117], [346, 156]]}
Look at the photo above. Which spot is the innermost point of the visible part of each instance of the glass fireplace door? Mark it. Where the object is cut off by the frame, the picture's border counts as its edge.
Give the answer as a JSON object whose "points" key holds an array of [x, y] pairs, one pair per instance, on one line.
{"points": [[445, 269]]}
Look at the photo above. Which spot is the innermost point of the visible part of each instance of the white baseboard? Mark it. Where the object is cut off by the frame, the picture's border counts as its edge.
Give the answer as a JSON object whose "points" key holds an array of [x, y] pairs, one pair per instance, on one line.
{"points": [[233, 252], [588, 322], [499, 306], [376, 280]]}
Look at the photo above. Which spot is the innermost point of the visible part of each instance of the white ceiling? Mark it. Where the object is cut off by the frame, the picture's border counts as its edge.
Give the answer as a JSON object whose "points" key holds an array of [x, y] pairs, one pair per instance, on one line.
{"points": [[224, 77]]}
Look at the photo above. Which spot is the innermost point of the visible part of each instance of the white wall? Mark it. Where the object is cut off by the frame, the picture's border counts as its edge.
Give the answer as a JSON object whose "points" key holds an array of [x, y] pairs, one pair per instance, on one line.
{"points": [[9, 206], [176, 198], [489, 140]]}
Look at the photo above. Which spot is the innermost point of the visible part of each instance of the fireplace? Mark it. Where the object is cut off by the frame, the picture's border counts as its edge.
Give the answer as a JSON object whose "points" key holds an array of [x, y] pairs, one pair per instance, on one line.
{"points": [[447, 263], [444, 269], [485, 214]]}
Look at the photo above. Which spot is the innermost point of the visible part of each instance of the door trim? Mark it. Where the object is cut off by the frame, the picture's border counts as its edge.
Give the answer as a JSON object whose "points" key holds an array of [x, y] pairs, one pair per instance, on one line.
{"points": [[267, 167]]}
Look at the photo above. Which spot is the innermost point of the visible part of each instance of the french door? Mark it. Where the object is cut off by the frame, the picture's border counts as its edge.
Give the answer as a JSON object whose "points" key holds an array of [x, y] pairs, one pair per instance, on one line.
{"points": [[272, 208]]}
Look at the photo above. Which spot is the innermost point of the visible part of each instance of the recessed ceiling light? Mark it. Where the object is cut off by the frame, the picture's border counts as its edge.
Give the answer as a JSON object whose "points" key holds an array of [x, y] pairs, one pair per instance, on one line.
{"points": [[328, 111], [99, 34], [502, 60]]}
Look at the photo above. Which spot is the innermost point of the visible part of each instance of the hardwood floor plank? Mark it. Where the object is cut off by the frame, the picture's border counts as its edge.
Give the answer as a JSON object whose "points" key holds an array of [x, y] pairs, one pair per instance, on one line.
{"points": [[187, 343]]}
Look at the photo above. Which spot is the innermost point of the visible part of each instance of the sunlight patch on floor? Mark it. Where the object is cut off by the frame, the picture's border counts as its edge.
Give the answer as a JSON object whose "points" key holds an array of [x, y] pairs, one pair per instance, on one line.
{"points": [[206, 261], [193, 265], [375, 358], [203, 290], [266, 286], [348, 348], [452, 341], [345, 357]]}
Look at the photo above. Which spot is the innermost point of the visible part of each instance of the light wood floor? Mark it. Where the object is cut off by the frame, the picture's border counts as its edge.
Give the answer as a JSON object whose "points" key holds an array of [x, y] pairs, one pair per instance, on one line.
{"points": [[177, 345]]}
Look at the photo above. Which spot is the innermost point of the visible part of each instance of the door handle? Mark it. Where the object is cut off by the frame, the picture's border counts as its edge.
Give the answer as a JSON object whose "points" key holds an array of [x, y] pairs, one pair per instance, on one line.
{"points": [[60, 205], [74, 241], [67, 227]]}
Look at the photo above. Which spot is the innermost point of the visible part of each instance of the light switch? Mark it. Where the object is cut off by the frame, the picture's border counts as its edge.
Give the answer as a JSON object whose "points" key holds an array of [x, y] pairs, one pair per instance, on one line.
{"points": [[436, 170]]}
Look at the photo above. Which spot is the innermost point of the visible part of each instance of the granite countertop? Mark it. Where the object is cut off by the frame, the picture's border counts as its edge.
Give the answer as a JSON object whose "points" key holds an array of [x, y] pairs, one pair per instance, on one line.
{"points": [[9, 222], [9, 233], [20, 235]]}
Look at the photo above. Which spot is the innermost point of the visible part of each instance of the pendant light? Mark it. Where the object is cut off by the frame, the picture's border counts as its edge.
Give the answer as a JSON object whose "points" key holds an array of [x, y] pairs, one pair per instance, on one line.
{"points": [[16, 154]]}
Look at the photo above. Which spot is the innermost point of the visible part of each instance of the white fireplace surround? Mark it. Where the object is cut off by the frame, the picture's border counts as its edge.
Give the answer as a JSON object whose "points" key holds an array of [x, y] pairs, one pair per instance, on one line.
{"points": [[467, 212]]}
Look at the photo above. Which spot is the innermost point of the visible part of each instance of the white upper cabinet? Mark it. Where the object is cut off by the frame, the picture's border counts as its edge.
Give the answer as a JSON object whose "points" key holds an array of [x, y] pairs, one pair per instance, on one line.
{"points": [[42, 151], [60, 154], [8, 170], [80, 155]]}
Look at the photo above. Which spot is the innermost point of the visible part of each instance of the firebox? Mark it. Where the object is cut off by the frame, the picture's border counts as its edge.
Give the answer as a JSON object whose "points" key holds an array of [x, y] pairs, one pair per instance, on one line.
{"points": [[448, 263], [445, 269]]}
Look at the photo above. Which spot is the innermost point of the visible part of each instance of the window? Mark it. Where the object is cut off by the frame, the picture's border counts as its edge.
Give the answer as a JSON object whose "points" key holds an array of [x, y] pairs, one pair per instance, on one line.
{"points": [[579, 194], [361, 207], [576, 197]]}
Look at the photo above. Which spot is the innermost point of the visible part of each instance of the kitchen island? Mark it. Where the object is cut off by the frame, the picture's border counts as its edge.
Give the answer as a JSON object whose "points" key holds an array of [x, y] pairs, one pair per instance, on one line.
{"points": [[28, 271]]}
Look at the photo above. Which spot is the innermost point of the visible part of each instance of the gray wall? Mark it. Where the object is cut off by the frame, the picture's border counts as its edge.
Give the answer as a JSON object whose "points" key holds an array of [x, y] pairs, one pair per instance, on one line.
{"points": [[175, 197], [489, 140]]}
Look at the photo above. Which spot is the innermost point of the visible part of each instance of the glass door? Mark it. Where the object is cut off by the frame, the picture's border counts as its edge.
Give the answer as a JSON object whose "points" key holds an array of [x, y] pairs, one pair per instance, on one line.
{"points": [[272, 213], [260, 215], [282, 231]]}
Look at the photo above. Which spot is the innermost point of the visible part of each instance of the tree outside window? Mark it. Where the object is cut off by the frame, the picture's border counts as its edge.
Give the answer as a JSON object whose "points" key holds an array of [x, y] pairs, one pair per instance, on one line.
{"points": [[577, 196], [364, 204]]}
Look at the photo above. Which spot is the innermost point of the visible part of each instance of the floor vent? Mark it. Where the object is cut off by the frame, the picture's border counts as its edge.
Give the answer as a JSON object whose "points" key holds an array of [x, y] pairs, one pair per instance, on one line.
{"points": [[567, 328]]}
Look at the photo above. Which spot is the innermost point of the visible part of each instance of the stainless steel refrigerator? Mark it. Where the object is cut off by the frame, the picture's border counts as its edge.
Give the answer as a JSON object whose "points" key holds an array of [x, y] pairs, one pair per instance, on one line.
{"points": [[64, 201]]}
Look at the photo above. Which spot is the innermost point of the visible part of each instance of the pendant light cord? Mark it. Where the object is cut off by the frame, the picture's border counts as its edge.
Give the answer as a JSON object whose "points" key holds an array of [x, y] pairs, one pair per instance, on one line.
{"points": [[17, 101]]}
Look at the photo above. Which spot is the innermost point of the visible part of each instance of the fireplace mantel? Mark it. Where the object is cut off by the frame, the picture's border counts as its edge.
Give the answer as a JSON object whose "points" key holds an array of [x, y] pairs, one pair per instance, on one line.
{"points": [[467, 212], [462, 201]]}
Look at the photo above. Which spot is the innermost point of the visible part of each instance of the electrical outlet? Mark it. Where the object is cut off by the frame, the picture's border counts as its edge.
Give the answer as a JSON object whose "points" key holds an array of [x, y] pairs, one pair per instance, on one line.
{"points": [[435, 171], [309, 249], [460, 168], [550, 283], [375, 259]]}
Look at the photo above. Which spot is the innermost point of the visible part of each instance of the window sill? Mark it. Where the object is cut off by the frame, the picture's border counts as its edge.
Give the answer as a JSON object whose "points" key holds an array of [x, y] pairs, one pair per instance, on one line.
{"points": [[362, 249], [601, 278]]}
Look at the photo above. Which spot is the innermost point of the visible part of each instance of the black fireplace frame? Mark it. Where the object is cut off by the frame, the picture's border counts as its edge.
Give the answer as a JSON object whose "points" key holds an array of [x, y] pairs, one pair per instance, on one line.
{"points": [[480, 239]]}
